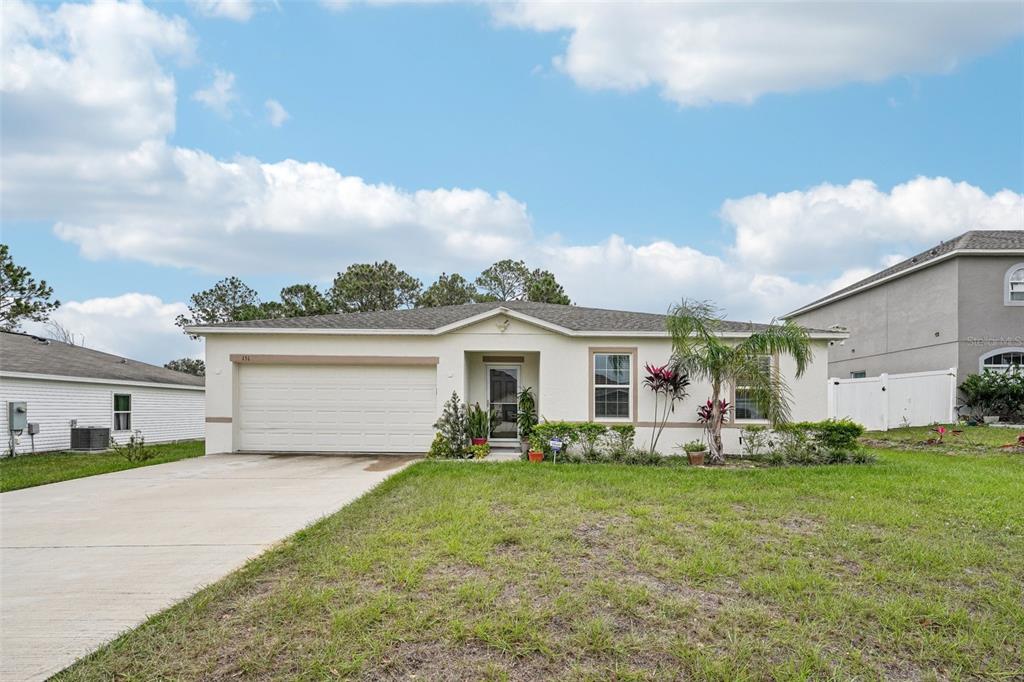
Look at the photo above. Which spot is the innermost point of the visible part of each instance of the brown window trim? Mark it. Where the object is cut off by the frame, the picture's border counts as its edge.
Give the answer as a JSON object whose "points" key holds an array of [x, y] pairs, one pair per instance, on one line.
{"points": [[622, 350]]}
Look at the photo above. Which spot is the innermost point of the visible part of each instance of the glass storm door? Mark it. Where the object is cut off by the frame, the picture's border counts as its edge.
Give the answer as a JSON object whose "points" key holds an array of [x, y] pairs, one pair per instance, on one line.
{"points": [[503, 392]]}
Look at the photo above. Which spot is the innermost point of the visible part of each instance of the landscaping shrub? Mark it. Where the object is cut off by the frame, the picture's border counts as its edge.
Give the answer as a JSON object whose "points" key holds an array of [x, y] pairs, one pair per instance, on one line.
{"points": [[589, 436], [454, 427], [134, 450], [619, 440], [478, 451], [833, 441], [995, 394]]}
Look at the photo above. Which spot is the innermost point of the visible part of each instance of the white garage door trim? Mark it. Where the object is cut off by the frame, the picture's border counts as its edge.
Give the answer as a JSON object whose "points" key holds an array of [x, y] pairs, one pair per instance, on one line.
{"points": [[341, 406]]}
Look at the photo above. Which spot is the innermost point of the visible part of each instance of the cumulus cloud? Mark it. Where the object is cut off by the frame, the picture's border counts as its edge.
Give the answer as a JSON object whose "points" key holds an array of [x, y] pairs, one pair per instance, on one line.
{"points": [[138, 326], [829, 226], [83, 77], [276, 113], [236, 10], [110, 182], [696, 53], [220, 95]]}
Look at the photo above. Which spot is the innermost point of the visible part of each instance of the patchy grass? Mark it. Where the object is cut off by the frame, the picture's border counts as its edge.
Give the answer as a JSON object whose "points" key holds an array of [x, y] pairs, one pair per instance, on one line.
{"points": [[25, 471], [972, 438], [911, 568]]}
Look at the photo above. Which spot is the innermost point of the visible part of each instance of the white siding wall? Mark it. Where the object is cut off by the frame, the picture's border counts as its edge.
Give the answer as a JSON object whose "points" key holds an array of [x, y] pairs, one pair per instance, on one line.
{"points": [[161, 414], [563, 376]]}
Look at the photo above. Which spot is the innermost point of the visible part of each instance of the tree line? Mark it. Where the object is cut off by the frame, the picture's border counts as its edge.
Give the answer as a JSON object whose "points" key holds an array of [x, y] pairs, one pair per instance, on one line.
{"points": [[370, 287]]}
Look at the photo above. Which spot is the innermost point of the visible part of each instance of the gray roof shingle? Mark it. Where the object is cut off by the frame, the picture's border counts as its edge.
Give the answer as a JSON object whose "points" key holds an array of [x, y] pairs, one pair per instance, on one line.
{"points": [[989, 240], [576, 318], [35, 355]]}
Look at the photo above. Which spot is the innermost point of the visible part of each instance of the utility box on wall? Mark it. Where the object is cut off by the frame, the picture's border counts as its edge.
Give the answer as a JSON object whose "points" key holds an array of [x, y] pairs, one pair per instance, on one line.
{"points": [[17, 416]]}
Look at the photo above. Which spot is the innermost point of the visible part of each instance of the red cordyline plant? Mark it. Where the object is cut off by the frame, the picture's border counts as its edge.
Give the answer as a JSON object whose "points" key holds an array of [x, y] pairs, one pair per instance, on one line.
{"points": [[669, 387], [713, 419]]}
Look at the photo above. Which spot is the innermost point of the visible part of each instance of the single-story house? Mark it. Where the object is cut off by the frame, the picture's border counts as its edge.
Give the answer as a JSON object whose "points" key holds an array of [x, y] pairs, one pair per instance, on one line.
{"points": [[377, 381], [66, 385]]}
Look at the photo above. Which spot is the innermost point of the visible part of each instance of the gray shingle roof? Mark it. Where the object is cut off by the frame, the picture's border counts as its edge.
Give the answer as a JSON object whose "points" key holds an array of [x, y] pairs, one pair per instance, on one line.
{"points": [[989, 240], [34, 355], [576, 318]]}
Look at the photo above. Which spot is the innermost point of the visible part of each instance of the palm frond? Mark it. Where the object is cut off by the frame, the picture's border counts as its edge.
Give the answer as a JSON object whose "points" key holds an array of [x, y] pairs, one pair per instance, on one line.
{"points": [[787, 338]]}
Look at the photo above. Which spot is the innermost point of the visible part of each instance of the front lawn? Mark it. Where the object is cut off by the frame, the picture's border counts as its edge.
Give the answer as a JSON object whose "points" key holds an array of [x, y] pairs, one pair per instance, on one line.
{"points": [[25, 471], [969, 437], [911, 568]]}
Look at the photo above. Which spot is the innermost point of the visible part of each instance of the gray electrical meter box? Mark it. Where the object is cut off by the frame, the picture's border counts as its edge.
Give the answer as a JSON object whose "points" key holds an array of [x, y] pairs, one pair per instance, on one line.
{"points": [[17, 416]]}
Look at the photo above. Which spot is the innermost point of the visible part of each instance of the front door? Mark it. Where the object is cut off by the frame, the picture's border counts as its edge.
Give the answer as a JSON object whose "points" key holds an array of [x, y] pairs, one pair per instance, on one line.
{"points": [[503, 393]]}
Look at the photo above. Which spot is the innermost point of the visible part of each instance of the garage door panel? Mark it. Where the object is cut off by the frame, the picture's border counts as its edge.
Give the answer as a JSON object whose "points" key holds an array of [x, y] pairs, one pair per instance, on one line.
{"points": [[335, 408]]}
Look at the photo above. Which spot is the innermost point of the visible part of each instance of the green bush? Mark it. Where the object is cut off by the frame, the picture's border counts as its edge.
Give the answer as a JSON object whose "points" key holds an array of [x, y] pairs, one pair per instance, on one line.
{"points": [[995, 393], [454, 426], [134, 450], [478, 451], [440, 448], [833, 441]]}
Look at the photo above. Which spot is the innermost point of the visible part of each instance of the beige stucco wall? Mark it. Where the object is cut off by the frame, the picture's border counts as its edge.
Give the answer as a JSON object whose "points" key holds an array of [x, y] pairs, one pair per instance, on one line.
{"points": [[986, 323], [905, 325], [561, 375], [946, 315]]}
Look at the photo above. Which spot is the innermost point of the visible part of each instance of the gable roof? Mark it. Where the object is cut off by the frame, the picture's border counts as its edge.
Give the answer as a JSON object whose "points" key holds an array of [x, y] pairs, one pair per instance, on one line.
{"points": [[571, 319], [977, 241], [27, 354]]}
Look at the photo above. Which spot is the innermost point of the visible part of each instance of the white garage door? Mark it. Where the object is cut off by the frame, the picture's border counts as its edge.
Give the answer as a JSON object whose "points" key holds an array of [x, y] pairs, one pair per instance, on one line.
{"points": [[324, 408]]}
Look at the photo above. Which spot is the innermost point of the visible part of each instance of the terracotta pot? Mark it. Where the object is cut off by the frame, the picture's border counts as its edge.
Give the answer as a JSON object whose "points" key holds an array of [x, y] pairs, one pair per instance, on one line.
{"points": [[478, 441], [696, 458], [536, 456]]}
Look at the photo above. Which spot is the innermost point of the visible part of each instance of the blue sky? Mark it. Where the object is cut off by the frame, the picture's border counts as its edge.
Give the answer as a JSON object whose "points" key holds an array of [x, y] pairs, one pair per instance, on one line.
{"points": [[441, 97]]}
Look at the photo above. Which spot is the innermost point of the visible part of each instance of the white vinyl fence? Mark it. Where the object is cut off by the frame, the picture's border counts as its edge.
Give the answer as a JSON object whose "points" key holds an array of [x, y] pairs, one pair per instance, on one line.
{"points": [[889, 401]]}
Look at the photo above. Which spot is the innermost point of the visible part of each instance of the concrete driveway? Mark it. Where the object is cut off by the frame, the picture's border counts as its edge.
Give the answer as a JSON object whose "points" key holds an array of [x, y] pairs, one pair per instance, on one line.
{"points": [[84, 560]]}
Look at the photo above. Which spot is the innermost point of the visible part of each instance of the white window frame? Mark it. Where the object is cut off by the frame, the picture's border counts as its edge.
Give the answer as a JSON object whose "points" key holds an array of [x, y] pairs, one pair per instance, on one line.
{"points": [[117, 412], [628, 386], [735, 391], [860, 374], [1006, 285], [998, 351]]}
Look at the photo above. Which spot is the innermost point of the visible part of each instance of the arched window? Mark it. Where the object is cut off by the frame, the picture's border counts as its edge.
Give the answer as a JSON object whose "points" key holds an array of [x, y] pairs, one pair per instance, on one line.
{"points": [[1014, 288], [1002, 359]]}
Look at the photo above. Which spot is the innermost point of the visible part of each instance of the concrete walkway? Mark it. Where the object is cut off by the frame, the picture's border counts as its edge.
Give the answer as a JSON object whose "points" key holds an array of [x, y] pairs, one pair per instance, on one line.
{"points": [[84, 560]]}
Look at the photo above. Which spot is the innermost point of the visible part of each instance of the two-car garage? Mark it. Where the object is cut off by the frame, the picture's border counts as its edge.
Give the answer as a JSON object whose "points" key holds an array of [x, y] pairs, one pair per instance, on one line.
{"points": [[289, 405]]}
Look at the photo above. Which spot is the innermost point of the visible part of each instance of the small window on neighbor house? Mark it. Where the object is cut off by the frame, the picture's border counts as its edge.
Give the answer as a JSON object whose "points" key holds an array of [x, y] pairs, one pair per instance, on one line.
{"points": [[859, 375], [122, 412], [612, 385], [746, 407], [1015, 284]]}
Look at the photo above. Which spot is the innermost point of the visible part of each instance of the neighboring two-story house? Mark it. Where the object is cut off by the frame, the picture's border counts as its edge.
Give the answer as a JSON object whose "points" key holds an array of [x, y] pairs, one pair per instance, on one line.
{"points": [[959, 304]]}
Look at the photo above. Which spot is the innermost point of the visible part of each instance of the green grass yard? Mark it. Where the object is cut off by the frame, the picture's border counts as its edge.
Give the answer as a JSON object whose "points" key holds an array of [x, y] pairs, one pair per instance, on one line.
{"points": [[25, 471], [911, 568], [970, 438]]}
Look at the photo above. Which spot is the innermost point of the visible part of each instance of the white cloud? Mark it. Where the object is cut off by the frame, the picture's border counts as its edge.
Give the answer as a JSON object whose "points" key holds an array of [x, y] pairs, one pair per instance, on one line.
{"points": [[220, 94], [276, 113], [697, 53], [82, 77], [829, 226], [116, 188], [137, 326], [236, 10]]}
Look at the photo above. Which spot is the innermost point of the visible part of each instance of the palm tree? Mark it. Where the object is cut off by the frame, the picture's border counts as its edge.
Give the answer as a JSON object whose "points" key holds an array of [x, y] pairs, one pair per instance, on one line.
{"points": [[699, 350]]}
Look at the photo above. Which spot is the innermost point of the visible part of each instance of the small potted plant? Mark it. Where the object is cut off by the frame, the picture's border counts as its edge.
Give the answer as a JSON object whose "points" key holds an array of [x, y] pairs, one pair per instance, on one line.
{"points": [[479, 425], [536, 453], [695, 451]]}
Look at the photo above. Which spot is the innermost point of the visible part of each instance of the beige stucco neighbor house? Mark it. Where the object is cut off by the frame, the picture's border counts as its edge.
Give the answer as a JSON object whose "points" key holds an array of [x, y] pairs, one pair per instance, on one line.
{"points": [[959, 304], [376, 382]]}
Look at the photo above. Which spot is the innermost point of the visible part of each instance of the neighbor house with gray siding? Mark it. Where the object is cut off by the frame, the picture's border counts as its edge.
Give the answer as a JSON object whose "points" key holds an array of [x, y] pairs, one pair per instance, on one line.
{"points": [[65, 385], [957, 305]]}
